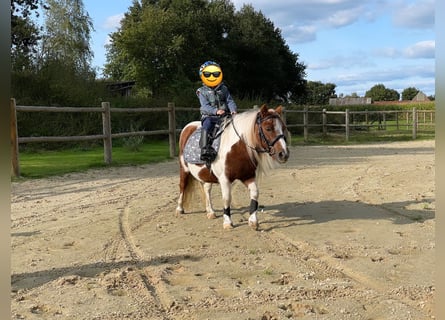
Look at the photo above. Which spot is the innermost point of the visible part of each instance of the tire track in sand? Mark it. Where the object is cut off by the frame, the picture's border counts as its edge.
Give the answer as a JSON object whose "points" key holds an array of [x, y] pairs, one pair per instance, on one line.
{"points": [[327, 264], [152, 282], [132, 269]]}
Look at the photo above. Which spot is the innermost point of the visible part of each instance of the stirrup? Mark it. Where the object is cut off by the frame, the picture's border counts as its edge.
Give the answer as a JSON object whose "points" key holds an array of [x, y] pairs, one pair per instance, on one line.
{"points": [[205, 156], [208, 153]]}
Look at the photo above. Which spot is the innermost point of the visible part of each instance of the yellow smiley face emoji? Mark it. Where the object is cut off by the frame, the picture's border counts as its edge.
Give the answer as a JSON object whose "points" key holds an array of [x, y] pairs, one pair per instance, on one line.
{"points": [[211, 75]]}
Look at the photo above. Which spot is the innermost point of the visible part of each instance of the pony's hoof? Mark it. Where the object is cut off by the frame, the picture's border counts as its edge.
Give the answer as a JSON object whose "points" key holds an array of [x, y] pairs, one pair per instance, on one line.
{"points": [[211, 215], [254, 225], [179, 212], [228, 226]]}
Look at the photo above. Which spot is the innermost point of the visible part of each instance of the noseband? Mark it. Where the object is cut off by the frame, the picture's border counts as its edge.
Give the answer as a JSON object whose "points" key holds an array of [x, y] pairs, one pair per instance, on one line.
{"points": [[270, 149]]}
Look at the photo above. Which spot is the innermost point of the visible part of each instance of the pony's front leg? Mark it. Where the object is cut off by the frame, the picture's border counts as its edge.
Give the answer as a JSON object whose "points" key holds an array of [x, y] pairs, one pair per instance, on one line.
{"points": [[253, 189], [208, 199], [226, 188], [180, 208]]}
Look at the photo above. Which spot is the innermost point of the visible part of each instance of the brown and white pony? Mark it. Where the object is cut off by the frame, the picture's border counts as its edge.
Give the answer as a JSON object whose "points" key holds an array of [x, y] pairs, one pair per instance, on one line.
{"points": [[251, 144]]}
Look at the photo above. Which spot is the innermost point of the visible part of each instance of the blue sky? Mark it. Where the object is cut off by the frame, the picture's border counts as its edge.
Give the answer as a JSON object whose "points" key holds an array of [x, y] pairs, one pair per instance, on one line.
{"points": [[353, 44]]}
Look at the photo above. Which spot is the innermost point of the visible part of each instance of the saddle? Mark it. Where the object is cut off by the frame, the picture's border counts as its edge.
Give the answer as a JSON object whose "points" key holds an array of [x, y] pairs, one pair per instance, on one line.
{"points": [[192, 150]]}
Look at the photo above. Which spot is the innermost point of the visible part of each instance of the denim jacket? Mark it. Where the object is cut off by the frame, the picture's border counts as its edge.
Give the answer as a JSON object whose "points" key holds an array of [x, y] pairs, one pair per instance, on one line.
{"points": [[212, 99]]}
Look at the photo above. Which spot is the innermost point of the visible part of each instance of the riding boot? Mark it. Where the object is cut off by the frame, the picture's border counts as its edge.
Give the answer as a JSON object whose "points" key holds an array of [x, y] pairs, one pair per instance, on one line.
{"points": [[208, 154]]}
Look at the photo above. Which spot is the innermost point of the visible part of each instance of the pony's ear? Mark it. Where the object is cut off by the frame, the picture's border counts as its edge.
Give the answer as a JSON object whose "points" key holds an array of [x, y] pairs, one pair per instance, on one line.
{"points": [[279, 110], [264, 110]]}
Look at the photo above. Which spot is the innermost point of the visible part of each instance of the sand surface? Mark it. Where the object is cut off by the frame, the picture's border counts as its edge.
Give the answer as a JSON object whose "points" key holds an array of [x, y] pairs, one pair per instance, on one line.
{"points": [[346, 232]]}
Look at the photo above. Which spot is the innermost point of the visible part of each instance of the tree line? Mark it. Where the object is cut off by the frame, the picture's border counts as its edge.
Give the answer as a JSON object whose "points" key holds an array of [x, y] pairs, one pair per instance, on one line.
{"points": [[160, 45]]}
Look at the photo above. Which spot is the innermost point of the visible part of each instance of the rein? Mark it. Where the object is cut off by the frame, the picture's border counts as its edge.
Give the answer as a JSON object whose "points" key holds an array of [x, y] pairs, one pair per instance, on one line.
{"points": [[270, 149]]}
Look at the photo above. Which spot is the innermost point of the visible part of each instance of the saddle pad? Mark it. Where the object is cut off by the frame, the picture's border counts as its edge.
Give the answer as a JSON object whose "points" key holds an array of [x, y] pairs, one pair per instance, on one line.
{"points": [[192, 151]]}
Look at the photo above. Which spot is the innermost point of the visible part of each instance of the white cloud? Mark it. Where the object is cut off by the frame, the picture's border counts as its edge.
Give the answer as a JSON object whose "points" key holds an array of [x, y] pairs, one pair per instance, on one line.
{"points": [[344, 17], [299, 8], [422, 49], [417, 15], [419, 50], [113, 22], [387, 52], [358, 59], [421, 77], [385, 75], [300, 34], [300, 20]]}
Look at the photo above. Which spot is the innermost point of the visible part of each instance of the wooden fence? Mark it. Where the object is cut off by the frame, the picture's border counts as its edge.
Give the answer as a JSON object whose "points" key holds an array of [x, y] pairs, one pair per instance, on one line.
{"points": [[350, 123], [106, 136], [361, 120]]}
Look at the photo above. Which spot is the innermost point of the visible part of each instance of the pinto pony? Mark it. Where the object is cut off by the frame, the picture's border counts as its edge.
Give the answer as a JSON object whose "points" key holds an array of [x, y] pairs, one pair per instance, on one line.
{"points": [[252, 143]]}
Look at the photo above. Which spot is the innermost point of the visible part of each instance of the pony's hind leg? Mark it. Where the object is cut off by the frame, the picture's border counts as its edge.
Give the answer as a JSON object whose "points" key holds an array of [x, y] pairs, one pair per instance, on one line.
{"points": [[253, 189], [207, 186], [183, 183]]}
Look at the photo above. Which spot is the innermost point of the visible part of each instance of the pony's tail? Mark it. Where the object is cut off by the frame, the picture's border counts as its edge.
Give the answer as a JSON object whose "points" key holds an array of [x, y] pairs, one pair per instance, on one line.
{"points": [[190, 193]]}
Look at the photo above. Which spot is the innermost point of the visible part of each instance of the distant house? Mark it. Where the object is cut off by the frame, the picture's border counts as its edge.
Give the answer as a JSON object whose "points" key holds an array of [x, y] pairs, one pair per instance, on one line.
{"points": [[420, 97], [122, 88]]}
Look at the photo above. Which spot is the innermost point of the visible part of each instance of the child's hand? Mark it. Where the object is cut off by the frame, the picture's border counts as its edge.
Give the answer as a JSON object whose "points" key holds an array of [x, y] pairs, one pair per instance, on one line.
{"points": [[220, 112]]}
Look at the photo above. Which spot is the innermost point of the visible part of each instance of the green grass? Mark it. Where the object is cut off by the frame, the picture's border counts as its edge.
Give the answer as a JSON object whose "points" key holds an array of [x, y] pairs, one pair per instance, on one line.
{"points": [[49, 163], [360, 137]]}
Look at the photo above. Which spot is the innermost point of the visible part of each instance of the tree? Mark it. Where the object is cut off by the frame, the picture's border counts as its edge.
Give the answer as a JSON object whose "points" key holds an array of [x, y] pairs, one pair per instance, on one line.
{"points": [[409, 93], [67, 34], [158, 43], [318, 93], [162, 43], [25, 34], [61, 73], [380, 93], [264, 67]]}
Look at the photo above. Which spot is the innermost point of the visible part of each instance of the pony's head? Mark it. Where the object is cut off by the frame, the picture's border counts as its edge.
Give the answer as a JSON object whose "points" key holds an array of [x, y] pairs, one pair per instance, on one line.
{"points": [[272, 133]]}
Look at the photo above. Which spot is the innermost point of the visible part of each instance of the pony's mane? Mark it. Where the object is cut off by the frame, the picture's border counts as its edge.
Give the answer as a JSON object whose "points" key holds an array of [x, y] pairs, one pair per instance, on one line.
{"points": [[244, 124]]}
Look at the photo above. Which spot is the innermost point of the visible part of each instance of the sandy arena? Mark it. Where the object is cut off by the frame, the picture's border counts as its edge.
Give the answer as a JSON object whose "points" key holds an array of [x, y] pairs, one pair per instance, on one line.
{"points": [[346, 232]]}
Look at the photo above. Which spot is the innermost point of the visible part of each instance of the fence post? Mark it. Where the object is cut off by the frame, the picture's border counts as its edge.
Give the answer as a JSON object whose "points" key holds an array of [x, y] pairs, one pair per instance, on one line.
{"points": [[106, 125], [283, 114], [414, 123], [324, 118], [347, 124], [407, 120], [384, 120], [305, 124], [171, 129], [15, 168]]}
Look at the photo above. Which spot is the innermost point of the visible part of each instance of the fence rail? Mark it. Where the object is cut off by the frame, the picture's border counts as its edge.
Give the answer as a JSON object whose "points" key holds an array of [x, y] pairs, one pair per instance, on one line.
{"points": [[353, 120]]}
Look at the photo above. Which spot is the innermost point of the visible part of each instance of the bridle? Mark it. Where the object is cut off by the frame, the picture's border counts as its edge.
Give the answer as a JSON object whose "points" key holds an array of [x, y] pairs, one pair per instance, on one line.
{"points": [[270, 149]]}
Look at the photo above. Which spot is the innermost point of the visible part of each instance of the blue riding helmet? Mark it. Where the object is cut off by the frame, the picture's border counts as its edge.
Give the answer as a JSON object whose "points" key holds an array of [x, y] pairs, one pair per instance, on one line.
{"points": [[207, 63]]}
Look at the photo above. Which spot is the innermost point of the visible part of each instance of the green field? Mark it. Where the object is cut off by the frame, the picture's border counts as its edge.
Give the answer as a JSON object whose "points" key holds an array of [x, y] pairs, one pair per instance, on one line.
{"points": [[41, 164], [48, 163]]}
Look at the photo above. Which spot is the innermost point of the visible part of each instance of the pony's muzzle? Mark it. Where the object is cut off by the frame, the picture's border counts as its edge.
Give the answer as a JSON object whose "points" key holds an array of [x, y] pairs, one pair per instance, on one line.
{"points": [[283, 156]]}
